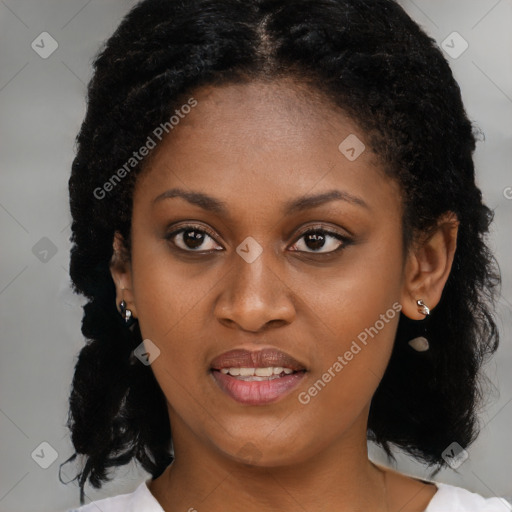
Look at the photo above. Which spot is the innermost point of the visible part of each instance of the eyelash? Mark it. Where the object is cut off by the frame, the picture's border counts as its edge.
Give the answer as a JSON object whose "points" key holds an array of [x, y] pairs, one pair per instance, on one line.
{"points": [[311, 230]]}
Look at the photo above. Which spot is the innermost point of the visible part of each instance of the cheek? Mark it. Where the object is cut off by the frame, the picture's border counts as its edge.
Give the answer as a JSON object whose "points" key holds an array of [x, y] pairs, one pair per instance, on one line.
{"points": [[174, 308], [352, 357], [166, 292], [171, 313], [358, 310], [173, 321], [352, 297]]}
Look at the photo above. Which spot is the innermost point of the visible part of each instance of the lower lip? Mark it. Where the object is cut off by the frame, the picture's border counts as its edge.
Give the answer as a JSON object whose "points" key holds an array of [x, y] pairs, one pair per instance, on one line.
{"points": [[257, 392]]}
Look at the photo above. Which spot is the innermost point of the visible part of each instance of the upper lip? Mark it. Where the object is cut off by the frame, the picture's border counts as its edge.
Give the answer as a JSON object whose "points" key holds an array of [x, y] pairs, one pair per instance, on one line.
{"points": [[264, 358]]}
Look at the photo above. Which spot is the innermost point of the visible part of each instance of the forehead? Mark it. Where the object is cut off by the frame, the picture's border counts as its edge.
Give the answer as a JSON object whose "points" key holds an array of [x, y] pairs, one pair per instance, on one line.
{"points": [[274, 139], [276, 113]]}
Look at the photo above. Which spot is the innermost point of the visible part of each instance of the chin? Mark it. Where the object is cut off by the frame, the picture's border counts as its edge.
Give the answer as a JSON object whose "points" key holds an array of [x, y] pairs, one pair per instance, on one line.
{"points": [[263, 454]]}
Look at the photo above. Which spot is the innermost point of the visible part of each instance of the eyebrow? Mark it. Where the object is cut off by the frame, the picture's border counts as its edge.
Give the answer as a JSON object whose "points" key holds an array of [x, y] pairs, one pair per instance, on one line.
{"points": [[214, 205]]}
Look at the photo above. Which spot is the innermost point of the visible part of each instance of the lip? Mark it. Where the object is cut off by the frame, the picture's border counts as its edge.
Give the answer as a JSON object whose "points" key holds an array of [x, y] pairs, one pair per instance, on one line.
{"points": [[264, 358], [257, 392]]}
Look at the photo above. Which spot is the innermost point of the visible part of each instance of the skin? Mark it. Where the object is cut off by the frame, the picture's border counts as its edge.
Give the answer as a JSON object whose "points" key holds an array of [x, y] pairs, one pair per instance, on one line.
{"points": [[255, 146]]}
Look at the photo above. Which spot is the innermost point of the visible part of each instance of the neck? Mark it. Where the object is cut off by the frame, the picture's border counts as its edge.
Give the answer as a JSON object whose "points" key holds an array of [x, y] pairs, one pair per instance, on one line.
{"points": [[341, 478]]}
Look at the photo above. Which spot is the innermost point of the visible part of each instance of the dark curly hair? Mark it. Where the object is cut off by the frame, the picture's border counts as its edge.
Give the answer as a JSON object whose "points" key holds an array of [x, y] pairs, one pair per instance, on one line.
{"points": [[369, 58]]}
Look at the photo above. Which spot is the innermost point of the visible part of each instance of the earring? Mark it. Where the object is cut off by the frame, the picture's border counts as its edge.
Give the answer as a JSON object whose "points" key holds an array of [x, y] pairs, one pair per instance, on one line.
{"points": [[125, 313], [423, 308], [420, 343]]}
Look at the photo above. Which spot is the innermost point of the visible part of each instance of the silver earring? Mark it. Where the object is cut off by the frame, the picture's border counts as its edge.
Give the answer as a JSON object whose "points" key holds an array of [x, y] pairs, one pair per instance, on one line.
{"points": [[126, 313], [423, 308], [421, 344]]}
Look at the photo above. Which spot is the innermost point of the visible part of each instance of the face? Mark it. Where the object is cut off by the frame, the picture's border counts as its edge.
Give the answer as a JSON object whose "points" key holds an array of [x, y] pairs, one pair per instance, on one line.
{"points": [[294, 262]]}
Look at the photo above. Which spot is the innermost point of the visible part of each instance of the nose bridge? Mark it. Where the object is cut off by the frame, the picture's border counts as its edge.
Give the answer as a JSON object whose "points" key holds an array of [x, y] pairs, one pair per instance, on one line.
{"points": [[254, 293], [254, 274]]}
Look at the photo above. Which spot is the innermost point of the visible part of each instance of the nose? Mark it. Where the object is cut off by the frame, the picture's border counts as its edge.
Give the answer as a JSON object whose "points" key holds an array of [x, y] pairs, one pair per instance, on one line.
{"points": [[254, 296]]}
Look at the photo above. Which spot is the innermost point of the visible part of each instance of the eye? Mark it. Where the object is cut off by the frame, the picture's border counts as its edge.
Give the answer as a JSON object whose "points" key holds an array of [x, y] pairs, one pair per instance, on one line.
{"points": [[321, 241], [317, 240], [192, 239]]}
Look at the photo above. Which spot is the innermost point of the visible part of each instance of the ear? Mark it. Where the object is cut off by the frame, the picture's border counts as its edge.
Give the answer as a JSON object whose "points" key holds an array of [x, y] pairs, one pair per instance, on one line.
{"points": [[428, 266], [121, 271]]}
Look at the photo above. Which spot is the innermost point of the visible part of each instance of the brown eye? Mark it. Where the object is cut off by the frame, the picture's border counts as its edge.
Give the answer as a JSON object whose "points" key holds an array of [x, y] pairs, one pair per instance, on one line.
{"points": [[192, 239], [315, 240]]}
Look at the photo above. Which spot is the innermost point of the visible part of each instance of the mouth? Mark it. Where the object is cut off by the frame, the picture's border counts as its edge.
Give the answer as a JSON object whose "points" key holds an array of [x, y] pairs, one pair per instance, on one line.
{"points": [[256, 378]]}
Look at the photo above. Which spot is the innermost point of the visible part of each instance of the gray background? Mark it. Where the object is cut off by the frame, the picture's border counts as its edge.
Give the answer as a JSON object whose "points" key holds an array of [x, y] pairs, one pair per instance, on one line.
{"points": [[42, 104]]}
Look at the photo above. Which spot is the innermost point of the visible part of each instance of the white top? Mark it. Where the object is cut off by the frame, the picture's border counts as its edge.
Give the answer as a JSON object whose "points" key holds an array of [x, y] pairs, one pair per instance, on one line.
{"points": [[448, 498]]}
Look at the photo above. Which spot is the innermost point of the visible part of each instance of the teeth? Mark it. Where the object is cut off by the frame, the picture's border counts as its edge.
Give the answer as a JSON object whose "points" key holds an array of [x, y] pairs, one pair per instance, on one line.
{"points": [[264, 372], [256, 372]]}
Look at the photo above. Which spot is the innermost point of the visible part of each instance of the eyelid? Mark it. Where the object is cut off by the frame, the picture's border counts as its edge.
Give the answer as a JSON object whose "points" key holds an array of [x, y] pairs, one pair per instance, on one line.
{"points": [[344, 239], [190, 225], [322, 227]]}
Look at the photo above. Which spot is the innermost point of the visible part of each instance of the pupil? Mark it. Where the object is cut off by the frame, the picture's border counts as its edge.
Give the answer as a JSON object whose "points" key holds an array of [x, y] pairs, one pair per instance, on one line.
{"points": [[193, 239], [317, 240]]}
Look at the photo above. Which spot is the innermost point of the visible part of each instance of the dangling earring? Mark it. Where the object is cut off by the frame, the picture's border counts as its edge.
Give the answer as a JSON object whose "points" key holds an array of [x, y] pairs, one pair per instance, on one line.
{"points": [[125, 313], [421, 344]]}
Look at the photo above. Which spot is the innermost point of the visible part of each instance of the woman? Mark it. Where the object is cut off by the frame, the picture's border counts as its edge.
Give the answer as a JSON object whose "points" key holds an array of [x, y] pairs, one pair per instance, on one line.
{"points": [[277, 226]]}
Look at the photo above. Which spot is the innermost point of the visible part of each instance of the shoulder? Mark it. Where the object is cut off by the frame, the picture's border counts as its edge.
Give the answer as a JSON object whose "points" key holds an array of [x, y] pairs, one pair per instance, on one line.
{"points": [[450, 498], [140, 500], [432, 496]]}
